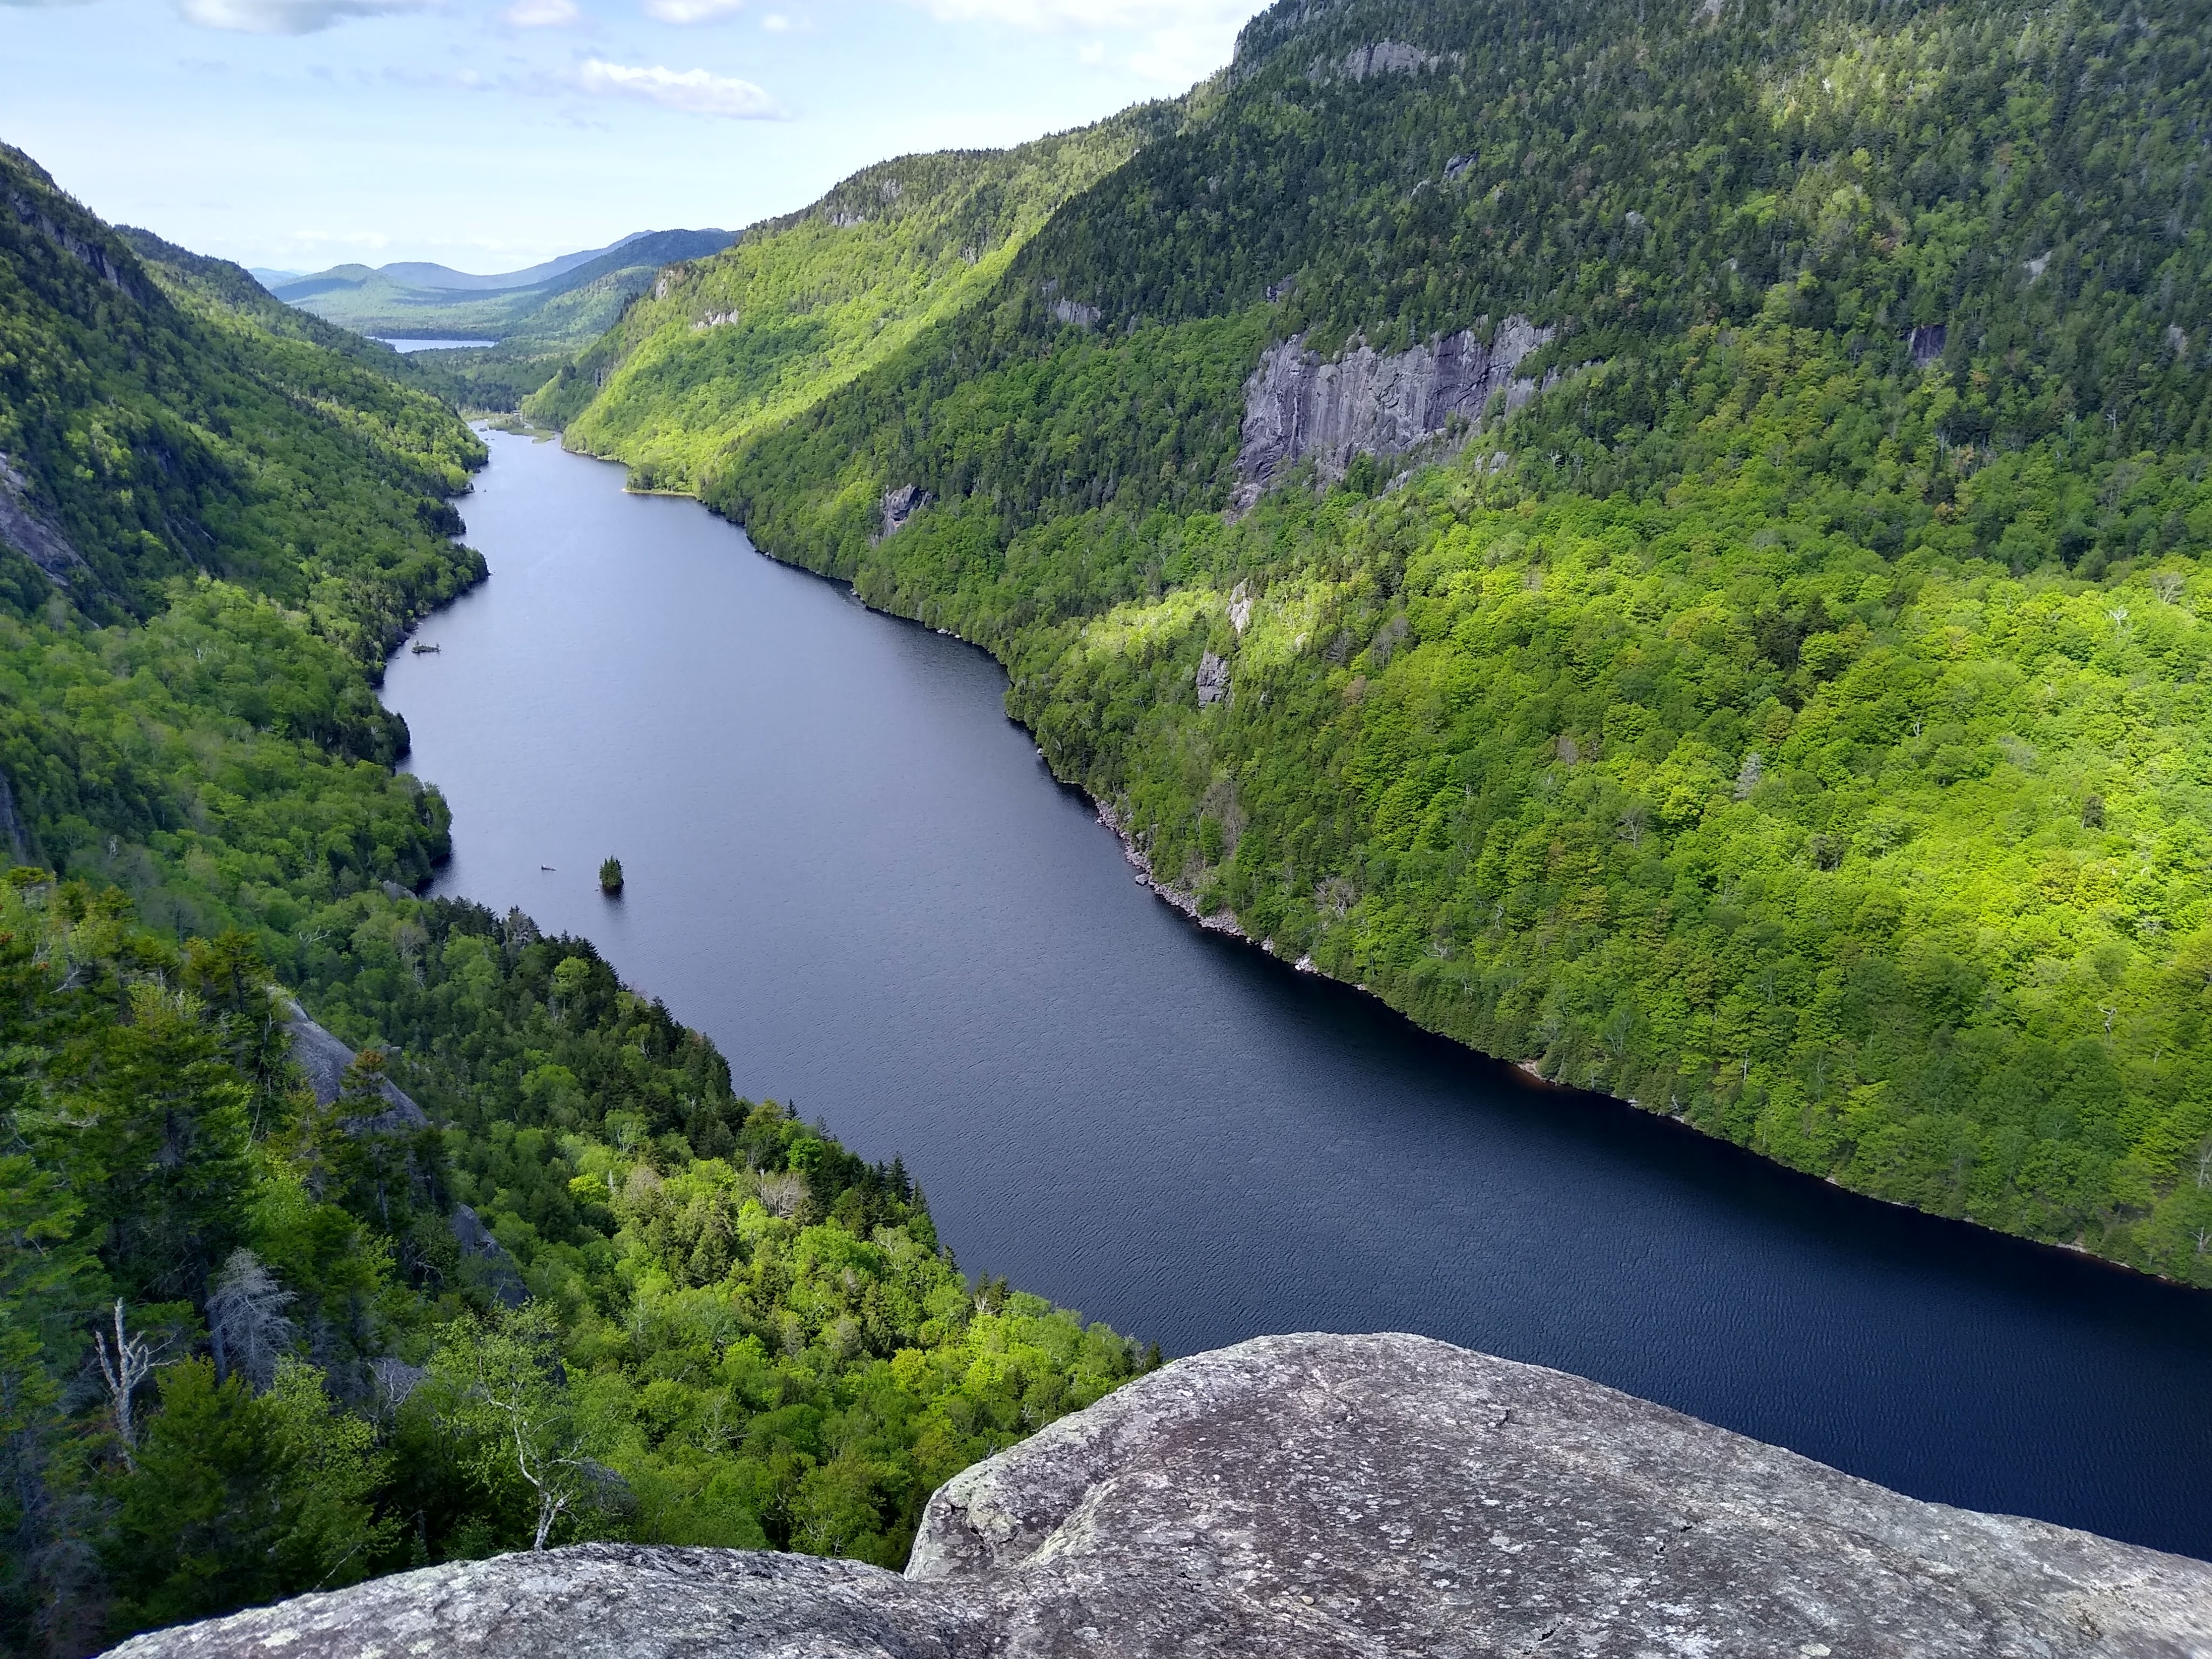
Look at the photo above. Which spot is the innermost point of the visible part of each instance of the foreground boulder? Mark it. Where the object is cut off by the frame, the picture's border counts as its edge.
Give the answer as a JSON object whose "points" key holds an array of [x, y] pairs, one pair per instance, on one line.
{"points": [[1323, 1495]]}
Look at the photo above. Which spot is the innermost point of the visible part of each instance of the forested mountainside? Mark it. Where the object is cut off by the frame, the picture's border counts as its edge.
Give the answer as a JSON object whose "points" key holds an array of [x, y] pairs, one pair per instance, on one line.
{"points": [[1663, 539], [574, 301], [266, 1329], [723, 347], [539, 324]]}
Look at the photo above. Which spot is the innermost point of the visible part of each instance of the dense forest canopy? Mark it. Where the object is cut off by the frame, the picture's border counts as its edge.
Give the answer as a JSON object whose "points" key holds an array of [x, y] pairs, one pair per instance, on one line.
{"points": [[259, 1334], [1783, 708]]}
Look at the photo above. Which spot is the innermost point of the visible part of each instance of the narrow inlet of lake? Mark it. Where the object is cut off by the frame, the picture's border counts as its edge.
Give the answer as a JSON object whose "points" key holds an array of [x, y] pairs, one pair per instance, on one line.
{"points": [[849, 868]]}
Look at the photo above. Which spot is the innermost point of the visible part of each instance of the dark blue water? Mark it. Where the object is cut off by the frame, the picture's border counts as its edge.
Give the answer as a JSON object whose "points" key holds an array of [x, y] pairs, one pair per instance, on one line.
{"points": [[848, 866]]}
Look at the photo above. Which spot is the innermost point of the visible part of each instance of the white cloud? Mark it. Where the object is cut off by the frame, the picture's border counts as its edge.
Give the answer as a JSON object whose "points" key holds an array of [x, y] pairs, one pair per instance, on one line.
{"points": [[1222, 15], [542, 14], [318, 243], [1178, 41], [1183, 56], [287, 16], [693, 91], [691, 11], [776, 23]]}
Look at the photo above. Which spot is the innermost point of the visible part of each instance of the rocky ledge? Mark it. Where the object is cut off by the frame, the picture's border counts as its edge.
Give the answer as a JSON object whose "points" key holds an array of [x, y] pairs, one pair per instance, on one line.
{"points": [[1320, 1495]]}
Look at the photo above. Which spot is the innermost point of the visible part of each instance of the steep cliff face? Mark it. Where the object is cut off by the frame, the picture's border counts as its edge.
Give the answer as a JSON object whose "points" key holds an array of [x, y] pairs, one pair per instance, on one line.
{"points": [[1322, 1495], [1377, 403]]}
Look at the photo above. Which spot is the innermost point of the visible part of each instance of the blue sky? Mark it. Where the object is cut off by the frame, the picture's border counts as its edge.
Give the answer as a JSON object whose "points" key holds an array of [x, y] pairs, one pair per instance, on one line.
{"points": [[492, 134]]}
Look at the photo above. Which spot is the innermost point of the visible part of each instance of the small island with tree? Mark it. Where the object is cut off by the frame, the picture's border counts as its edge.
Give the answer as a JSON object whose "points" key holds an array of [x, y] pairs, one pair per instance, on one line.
{"points": [[610, 877]]}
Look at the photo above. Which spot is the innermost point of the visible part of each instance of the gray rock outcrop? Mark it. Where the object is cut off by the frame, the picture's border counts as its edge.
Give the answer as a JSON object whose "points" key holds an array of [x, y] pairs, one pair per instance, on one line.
{"points": [[30, 532], [486, 1258], [1212, 679], [1327, 1496], [323, 1057], [899, 505], [94, 257], [1296, 404], [1379, 58]]}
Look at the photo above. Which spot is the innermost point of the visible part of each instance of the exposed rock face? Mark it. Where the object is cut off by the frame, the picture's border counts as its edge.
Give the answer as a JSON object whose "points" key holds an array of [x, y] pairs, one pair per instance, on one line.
{"points": [[1327, 1496], [319, 1053], [487, 1256], [1074, 312], [1212, 678], [1240, 607], [1382, 403], [90, 253], [27, 530], [900, 504], [323, 1057], [1381, 58]]}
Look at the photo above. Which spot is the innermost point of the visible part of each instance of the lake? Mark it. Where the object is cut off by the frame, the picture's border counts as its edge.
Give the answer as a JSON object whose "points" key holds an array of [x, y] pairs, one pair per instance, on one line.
{"points": [[847, 865], [403, 347]]}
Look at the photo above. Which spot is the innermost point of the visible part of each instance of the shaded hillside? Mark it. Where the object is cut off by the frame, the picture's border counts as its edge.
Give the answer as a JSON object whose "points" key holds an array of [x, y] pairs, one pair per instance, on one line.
{"points": [[159, 431], [721, 1326], [1663, 541]]}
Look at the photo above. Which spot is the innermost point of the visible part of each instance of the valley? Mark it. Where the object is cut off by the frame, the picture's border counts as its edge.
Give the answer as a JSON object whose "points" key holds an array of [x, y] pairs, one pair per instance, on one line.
{"points": [[1635, 578]]}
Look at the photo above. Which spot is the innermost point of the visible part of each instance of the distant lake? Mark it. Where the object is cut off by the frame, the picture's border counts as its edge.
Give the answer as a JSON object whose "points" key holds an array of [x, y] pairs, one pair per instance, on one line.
{"points": [[849, 867], [432, 345]]}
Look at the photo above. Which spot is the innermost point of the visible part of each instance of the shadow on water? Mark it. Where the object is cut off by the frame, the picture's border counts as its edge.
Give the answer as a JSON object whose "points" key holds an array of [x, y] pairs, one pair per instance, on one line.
{"points": [[845, 865]]}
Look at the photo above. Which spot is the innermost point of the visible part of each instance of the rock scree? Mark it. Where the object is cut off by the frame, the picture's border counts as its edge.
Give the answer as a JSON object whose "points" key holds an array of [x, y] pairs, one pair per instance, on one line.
{"points": [[1322, 1495]]}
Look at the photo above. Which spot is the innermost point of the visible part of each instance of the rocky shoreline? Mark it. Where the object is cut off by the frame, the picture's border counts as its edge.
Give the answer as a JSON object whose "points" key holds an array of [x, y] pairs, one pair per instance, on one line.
{"points": [[1220, 921]]}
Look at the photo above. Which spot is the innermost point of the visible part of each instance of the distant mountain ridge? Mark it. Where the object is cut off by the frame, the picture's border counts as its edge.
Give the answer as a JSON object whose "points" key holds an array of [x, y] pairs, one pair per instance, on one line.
{"points": [[427, 274], [539, 317], [419, 300]]}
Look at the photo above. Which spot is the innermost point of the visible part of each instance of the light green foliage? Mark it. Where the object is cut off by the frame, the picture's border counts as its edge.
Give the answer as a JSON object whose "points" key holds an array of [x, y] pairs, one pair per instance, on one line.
{"points": [[1791, 717], [1892, 869], [497, 1385], [761, 1338], [727, 346], [736, 1331], [221, 762]]}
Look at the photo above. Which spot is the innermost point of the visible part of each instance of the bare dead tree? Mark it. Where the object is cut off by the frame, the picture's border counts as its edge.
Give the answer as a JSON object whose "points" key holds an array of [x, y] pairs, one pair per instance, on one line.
{"points": [[246, 1322], [123, 1366]]}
